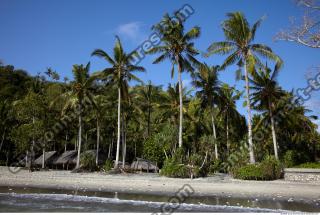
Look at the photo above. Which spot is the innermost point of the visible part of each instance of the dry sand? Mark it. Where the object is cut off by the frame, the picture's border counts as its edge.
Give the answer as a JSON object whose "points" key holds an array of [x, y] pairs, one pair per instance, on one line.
{"points": [[218, 185]]}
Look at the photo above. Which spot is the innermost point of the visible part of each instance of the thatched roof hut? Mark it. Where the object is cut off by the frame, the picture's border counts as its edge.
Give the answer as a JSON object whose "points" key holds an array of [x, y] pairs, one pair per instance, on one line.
{"points": [[49, 158], [144, 165], [67, 157]]}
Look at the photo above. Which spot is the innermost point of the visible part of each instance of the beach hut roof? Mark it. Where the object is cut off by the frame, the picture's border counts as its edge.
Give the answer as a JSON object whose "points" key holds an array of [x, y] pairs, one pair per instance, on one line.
{"points": [[145, 165], [66, 157], [49, 156]]}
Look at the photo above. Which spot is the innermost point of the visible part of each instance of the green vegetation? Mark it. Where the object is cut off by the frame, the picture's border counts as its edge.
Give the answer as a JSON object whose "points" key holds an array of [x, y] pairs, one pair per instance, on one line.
{"points": [[268, 169], [309, 165], [88, 162], [186, 132]]}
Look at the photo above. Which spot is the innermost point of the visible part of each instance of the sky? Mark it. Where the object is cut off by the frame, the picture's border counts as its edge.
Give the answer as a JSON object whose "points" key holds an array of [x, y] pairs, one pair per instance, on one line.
{"points": [[37, 34]]}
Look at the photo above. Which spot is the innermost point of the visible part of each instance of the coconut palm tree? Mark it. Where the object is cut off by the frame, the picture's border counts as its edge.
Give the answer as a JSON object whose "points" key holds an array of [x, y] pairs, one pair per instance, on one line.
{"points": [[206, 80], [266, 92], [177, 46], [228, 109], [241, 49], [81, 89], [120, 73], [146, 97]]}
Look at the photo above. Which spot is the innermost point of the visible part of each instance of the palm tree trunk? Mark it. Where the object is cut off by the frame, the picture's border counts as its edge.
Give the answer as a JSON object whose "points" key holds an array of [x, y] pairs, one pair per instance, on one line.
{"points": [[27, 159], [251, 152], [80, 133], [214, 136], [2, 139], [98, 142], [118, 137], [110, 147], [122, 139], [228, 145], [33, 144], [124, 145], [181, 103], [149, 120], [43, 157], [65, 145], [274, 137]]}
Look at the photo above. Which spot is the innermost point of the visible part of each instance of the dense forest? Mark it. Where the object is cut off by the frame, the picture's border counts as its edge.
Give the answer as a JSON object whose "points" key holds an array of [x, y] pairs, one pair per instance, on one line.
{"points": [[179, 129]]}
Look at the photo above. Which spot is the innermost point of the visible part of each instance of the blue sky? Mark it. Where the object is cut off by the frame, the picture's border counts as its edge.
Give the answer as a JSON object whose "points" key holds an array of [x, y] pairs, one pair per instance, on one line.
{"points": [[37, 34]]}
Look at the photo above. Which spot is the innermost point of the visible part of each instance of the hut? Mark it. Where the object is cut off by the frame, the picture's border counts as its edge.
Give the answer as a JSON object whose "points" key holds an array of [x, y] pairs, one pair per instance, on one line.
{"points": [[49, 158], [144, 165], [67, 159]]}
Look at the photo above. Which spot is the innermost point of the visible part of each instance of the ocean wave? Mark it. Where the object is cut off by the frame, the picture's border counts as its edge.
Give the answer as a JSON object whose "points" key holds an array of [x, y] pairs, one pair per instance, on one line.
{"points": [[117, 201]]}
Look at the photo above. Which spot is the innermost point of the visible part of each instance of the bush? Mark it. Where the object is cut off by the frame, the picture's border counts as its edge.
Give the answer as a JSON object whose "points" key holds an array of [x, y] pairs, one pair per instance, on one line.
{"points": [[174, 169], [249, 172], [268, 169], [153, 151], [309, 165], [88, 162], [271, 168], [108, 165], [290, 158], [181, 167]]}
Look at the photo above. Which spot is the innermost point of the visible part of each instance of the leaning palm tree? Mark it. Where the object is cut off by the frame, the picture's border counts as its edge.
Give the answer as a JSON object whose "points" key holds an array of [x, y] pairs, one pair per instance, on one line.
{"points": [[239, 44], [266, 93], [206, 80], [120, 73], [177, 46]]}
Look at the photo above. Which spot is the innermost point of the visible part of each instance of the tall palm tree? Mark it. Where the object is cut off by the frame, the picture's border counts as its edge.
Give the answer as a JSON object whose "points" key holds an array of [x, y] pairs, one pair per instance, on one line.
{"points": [[146, 97], [206, 80], [228, 109], [120, 73], [239, 44], [266, 93], [81, 88], [177, 46], [170, 103]]}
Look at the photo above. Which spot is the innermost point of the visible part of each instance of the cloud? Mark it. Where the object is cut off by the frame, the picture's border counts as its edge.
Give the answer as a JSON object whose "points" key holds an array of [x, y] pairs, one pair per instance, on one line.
{"points": [[132, 31]]}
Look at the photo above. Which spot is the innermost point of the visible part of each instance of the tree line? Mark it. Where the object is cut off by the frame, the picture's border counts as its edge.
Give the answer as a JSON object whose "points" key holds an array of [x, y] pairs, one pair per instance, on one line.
{"points": [[156, 122]]}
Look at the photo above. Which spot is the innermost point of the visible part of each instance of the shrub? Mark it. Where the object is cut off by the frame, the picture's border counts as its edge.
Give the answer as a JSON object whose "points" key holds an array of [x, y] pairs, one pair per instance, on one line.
{"points": [[309, 165], [290, 158], [271, 168], [174, 169], [108, 165], [181, 167], [88, 162], [249, 172], [268, 169], [153, 151]]}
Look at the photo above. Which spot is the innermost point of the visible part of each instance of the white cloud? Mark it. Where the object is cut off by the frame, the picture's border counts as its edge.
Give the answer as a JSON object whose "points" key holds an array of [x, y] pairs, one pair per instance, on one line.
{"points": [[131, 31]]}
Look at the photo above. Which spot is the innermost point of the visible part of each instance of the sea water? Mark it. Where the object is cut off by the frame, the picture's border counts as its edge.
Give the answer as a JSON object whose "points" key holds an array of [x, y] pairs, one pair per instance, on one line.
{"points": [[19, 199]]}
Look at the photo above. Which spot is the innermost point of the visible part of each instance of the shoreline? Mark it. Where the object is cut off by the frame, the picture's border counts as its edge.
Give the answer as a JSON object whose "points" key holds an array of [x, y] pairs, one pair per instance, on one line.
{"points": [[152, 184]]}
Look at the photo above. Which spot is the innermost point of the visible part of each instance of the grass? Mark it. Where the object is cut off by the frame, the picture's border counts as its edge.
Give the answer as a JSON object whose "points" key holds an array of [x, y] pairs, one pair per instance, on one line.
{"points": [[309, 165]]}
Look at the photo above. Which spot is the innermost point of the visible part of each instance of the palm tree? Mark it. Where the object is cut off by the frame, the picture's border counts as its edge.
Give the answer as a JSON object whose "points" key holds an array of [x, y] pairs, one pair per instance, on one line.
{"points": [[120, 73], [266, 92], [239, 44], [81, 89], [228, 109], [206, 79], [170, 104], [177, 46], [146, 96]]}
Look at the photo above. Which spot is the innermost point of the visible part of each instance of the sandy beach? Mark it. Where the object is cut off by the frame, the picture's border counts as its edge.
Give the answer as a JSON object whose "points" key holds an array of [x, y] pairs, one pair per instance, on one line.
{"points": [[218, 185]]}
